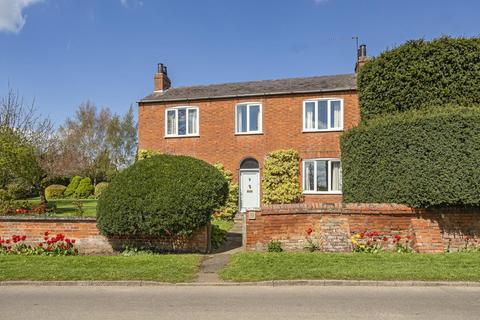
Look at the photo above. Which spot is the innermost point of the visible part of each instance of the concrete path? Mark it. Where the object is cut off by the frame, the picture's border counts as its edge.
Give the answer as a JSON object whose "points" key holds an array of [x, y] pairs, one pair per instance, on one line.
{"points": [[248, 302], [213, 263]]}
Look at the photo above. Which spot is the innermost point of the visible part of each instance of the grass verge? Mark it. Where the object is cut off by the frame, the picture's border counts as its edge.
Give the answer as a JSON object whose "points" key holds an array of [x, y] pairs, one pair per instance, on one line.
{"points": [[352, 266], [164, 268]]}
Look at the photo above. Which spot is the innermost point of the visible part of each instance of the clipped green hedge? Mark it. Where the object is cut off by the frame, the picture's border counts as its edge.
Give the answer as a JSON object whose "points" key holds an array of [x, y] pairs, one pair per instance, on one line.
{"points": [[161, 195], [72, 186], [85, 189], [419, 73], [421, 158], [55, 191], [280, 182]]}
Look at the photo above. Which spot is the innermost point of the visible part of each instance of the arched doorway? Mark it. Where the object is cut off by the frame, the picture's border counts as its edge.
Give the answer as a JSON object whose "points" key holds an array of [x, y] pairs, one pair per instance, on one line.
{"points": [[249, 180]]}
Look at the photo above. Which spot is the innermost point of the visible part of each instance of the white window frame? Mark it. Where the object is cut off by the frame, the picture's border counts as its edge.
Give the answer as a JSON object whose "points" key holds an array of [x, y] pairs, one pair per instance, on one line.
{"points": [[176, 135], [260, 118], [329, 180], [329, 128]]}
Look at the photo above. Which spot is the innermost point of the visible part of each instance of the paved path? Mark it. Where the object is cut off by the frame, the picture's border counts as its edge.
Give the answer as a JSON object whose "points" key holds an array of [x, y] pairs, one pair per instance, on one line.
{"points": [[214, 262], [243, 302]]}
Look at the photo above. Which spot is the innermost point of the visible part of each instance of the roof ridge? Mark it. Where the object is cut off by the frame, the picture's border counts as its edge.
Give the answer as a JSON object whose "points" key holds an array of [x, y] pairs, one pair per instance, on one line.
{"points": [[264, 80]]}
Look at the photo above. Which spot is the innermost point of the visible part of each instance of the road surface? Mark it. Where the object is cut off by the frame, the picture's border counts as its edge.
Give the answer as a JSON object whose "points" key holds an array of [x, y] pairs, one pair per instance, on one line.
{"points": [[433, 303]]}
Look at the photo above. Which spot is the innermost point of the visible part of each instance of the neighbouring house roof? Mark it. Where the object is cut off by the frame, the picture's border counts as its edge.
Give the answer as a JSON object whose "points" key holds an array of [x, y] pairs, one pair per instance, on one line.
{"points": [[342, 82]]}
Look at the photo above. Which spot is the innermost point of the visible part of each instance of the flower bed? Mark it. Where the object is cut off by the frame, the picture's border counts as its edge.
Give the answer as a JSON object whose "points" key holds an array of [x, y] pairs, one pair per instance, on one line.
{"points": [[374, 242], [58, 245]]}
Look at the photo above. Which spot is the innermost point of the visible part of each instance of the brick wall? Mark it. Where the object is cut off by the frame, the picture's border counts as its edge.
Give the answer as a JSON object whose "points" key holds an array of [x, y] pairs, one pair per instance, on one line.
{"points": [[88, 238], [282, 129], [429, 231]]}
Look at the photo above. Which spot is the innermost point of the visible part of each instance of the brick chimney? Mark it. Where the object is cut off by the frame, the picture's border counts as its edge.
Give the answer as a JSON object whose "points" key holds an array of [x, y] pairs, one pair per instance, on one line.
{"points": [[161, 80], [362, 57]]}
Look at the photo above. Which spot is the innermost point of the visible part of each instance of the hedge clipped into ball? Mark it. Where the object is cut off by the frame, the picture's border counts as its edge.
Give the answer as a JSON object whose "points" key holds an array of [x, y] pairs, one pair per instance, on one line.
{"points": [[55, 191], [99, 188], [72, 186], [84, 189], [280, 177], [420, 73], [420, 158], [162, 195]]}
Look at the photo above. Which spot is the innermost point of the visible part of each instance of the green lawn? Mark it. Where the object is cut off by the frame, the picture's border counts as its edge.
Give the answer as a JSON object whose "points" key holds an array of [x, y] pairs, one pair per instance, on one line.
{"points": [[164, 268], [66, 208], [354, 266]]}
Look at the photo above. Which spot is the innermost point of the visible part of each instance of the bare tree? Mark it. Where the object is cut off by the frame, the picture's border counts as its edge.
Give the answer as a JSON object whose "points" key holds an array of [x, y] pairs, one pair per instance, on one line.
{"points": [[32, 137]]}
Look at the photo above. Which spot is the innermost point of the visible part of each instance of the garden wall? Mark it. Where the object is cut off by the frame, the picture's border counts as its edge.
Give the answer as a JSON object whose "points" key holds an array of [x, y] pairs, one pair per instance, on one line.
{"points": [[427, 231], [88, 238]]}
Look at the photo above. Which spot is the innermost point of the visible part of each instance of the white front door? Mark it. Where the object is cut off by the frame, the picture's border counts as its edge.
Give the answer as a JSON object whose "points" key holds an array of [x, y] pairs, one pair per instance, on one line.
{"points": [[249, 190]]}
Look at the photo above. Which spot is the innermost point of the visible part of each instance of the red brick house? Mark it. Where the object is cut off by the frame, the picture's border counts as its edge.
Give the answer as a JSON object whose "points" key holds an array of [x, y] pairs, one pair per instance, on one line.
{"points": [[237, 124]]}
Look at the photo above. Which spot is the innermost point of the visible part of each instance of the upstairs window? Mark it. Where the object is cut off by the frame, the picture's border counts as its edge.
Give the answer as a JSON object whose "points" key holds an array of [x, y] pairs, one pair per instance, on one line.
{"points": [[248, 118], [181, 122], [323, 115], [322, 176]]}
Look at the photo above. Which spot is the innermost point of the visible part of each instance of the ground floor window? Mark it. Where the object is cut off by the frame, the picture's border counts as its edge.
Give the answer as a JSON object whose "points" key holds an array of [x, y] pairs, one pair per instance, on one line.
{"points": [[322, 176]]}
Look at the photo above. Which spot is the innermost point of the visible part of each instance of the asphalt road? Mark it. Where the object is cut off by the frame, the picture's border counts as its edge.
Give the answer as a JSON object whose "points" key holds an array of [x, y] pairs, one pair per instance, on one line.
{"points": [[433, 303]]}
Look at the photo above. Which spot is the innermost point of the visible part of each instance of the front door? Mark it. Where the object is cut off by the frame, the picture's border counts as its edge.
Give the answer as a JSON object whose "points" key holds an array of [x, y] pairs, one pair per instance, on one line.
{"points": [[249, 190]]}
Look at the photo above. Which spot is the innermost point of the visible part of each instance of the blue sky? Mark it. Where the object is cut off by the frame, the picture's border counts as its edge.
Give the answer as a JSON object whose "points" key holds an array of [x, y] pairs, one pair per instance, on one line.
{"points": [[64, 52]]}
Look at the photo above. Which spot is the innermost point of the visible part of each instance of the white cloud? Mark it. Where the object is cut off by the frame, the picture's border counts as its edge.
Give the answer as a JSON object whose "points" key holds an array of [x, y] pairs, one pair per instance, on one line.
{"points": [[12, 18]]}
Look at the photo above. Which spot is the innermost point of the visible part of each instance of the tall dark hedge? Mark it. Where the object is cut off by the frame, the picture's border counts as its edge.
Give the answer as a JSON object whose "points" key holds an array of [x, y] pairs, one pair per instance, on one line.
{"points": [[161, 195], [419, 73], [421, 158]]}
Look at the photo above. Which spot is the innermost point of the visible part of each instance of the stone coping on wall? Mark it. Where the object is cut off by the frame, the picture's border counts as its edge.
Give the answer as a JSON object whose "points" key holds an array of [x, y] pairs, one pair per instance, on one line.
{"points": [[47, 218], [355, 208]]}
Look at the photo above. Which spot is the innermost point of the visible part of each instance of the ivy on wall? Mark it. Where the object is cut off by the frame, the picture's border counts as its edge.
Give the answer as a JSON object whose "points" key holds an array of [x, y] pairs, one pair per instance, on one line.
{"points": [[280, 182]]}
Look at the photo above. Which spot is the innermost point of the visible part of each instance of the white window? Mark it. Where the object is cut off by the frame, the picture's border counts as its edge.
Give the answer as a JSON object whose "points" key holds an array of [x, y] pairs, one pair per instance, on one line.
{"points": [[323, 115], [322, 176], [181, 121], [248, 118]]}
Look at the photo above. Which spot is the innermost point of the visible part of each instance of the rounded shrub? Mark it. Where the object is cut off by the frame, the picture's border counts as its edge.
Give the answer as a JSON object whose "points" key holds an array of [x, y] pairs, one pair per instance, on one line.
{"points": [[85, 189], [421, 158], [72, 186], [162, 195], [99, 188], [55, 191], [419, 73]]}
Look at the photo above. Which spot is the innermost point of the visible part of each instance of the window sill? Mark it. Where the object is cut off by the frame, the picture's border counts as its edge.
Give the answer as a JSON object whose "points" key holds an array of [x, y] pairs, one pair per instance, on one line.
{"points": [[248, 133], [186, 136], [323, 130], [322, 192]]}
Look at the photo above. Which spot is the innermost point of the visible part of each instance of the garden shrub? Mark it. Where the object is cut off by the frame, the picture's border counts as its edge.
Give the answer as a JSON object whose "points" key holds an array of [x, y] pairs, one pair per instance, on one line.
{"points": [[419, 73], [55, 191], [85, 189], [18, 190], [72, 186], [421, 158], [280, 177], [99, 188], [227, 211], [274, 246], [145, 154], [162, 195]]}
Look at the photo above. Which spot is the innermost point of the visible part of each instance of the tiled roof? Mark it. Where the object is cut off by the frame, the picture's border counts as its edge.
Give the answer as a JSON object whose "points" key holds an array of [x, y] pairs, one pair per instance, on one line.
{"points": [[341, 82]]}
